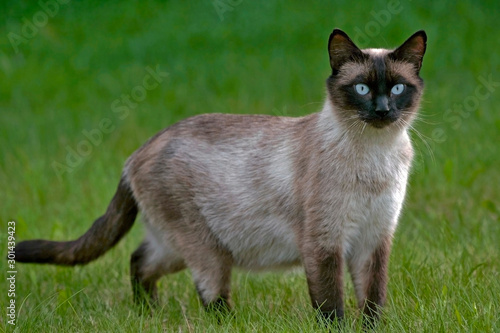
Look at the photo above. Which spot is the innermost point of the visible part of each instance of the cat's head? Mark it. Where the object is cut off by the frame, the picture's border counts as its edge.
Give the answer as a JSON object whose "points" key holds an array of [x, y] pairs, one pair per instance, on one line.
{"points": [[378, 87]]}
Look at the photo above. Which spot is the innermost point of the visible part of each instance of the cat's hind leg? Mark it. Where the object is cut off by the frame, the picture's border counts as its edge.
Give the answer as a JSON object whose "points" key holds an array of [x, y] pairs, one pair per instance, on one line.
{"points": [[209, 261], [211, 270], [150, 261]]}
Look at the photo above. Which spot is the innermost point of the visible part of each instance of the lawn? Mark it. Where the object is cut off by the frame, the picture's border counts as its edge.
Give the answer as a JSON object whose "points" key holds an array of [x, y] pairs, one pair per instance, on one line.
{"points": [[85, 83]]}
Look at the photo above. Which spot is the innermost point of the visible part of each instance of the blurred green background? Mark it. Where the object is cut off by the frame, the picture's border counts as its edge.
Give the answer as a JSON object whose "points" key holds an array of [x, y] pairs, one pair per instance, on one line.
{"points": [[65, 67]]}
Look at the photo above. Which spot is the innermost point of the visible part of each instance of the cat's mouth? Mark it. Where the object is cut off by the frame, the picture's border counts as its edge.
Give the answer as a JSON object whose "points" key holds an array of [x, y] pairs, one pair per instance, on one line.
{"points": [[379, 121]]}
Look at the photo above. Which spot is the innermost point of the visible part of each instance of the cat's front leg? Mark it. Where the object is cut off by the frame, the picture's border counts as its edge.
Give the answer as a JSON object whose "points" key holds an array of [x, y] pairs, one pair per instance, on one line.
{"points": [[369, 271], [324, 272]]}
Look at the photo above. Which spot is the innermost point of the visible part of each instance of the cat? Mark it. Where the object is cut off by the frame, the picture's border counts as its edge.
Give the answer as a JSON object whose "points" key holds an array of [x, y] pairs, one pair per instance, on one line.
{"points": [[254, 191]]}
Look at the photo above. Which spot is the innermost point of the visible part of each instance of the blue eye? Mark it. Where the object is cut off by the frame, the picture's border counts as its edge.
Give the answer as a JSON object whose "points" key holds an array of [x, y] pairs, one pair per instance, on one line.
{"points": [[362, 89], [398, 89]]}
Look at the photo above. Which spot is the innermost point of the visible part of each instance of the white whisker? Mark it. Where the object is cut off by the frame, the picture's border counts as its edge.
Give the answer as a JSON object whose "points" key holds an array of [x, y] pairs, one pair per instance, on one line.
{"points": [[363, 129], [422, 137]]}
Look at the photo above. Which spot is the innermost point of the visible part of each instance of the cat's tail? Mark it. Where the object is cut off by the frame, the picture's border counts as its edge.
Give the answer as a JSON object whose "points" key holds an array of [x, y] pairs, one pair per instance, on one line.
{"points": [[106, 231]]}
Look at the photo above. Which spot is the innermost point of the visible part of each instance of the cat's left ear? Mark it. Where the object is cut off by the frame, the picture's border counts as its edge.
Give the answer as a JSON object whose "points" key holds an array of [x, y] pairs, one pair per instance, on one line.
{"points": [[341, 49], [412, 50]]}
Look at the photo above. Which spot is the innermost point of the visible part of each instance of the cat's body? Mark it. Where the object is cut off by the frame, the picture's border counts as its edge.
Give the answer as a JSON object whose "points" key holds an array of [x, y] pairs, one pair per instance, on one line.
{"points": [[259, 192], [268, 176]]}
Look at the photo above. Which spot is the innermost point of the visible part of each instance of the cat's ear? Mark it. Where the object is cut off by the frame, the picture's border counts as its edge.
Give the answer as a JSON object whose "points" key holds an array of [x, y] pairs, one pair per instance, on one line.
{"points": [[412, 50], [341, 49]]}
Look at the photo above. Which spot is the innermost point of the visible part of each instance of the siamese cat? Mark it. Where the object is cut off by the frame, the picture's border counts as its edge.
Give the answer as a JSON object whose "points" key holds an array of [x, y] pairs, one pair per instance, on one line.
{"points": [[218, 191]]}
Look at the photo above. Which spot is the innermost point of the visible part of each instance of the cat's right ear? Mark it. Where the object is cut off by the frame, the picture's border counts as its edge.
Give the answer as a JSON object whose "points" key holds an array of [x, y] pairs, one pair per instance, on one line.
{"points": [[341, 49], [412, 50]]}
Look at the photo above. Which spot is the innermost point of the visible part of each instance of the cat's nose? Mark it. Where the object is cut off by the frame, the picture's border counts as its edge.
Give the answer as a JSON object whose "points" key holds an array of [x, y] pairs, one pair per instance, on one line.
{"points": [[382, 106], [382, 113]]}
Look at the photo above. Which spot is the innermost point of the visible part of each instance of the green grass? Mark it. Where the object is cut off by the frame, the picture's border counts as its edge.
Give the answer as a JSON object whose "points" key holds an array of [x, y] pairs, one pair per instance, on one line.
{"points": [[263, 57]]}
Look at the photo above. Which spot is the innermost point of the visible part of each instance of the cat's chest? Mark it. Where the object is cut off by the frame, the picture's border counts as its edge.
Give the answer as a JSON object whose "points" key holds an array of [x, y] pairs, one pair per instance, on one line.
{"points": [[367, 198], [367, 175]]}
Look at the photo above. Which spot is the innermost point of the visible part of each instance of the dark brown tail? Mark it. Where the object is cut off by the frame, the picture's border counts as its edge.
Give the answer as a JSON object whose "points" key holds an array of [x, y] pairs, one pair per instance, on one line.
{"points": [[106, 231]]}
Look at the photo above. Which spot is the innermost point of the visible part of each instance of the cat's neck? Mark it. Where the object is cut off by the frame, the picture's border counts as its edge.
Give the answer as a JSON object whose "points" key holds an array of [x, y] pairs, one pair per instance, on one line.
{"points": [[355, 135]]}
